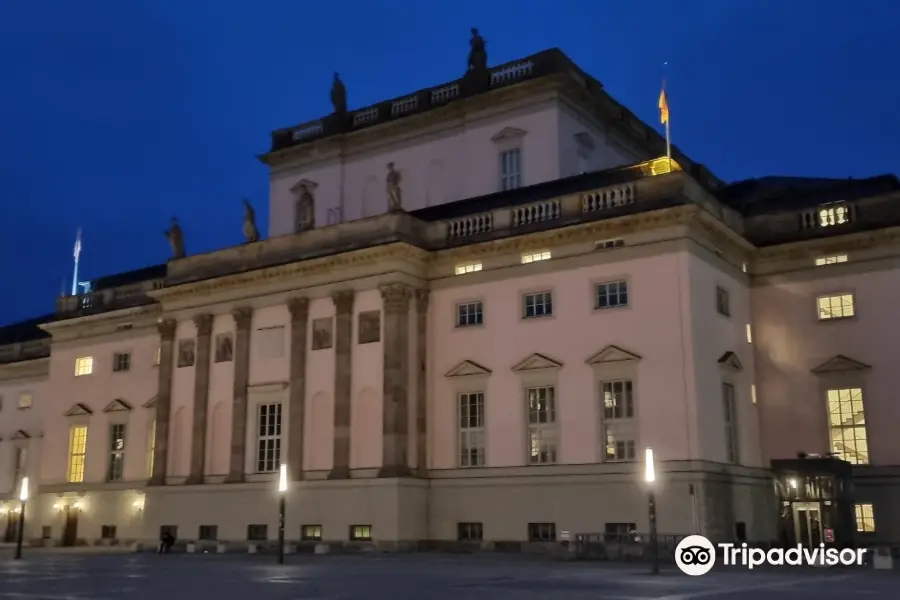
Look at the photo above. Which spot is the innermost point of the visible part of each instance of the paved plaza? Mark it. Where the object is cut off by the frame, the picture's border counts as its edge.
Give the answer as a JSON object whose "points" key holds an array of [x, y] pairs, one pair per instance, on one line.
{"points": [[48, 575]]}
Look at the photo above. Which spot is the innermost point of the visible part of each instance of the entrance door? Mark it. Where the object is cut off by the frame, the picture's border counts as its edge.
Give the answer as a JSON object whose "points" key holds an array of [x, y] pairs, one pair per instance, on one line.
{"points": [[70, 527], [12, 527], [808, 523]]}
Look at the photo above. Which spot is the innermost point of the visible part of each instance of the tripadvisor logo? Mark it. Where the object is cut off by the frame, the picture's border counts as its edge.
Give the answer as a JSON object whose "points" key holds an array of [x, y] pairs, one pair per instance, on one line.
{"points": [[695, 555]]}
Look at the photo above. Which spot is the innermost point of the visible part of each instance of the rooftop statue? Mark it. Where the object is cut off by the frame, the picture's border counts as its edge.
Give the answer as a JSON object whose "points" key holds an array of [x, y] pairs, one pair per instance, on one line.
{"points": [[176, 239], [477, 52], [339, 96], [392, 182], [251, 233]]}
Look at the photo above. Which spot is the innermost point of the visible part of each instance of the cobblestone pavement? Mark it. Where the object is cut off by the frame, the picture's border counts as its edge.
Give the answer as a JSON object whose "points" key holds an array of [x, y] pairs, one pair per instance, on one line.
{"points": [[46, 575]]}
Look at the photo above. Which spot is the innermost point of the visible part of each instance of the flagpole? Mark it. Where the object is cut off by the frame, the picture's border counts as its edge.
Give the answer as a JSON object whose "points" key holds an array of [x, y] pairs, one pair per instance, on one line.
{"points": [[668, 141]]}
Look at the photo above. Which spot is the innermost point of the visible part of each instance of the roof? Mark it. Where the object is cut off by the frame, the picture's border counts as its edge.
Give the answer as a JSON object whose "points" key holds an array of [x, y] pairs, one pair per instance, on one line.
{"points": [[778, 194], [25, 331], [129, 277]]}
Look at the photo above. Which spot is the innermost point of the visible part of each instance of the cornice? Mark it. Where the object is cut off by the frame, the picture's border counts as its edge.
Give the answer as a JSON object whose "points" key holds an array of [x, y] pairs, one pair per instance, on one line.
{"points": [[830, 245], [291, 271], [25, 369], [356, 142], [138, 318]]}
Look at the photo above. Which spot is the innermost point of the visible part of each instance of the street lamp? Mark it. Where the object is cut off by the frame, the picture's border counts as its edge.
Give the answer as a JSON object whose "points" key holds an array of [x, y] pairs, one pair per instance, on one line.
{"points": [[282, 493], [23, 498], [650, 480]]}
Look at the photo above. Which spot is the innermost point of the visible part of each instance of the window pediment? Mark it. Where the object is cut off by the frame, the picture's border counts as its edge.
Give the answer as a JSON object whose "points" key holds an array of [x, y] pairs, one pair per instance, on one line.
{"points": [[151, 403], [612, 354], [467, 368], [729, 360], [840, 364], [508, 133], [269, 387], [21, 434], [117, 405], [536, 362], [78, 410], [304, 184]]}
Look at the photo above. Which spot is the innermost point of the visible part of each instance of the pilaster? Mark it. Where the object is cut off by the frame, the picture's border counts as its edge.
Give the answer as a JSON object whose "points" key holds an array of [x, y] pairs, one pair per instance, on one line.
{"points": [[299, 309], [395, 346], [421, 383], [199, 424], [343, 370], [242, 318], [166, 328]]}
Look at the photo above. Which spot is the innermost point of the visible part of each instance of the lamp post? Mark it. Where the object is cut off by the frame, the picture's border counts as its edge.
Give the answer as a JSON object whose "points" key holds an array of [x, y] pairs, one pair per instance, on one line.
{"points": [[23, 498], [650, 480], [282, 492]]}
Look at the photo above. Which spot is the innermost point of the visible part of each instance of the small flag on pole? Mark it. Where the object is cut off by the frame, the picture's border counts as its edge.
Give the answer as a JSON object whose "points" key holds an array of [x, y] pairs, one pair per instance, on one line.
{"points": [[663, 106]]}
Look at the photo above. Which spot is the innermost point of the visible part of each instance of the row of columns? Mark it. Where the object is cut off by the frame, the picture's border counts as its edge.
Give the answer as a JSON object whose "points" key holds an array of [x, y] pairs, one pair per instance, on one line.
{"points": [[396, 300]]}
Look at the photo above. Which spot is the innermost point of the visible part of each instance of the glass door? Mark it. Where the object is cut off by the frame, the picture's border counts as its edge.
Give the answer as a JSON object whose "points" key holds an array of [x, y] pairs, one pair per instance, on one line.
{"points": [[808, 523]]}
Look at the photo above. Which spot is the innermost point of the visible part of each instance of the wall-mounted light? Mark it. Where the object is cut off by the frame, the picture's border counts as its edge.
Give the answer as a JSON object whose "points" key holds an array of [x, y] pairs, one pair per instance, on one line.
{"points": [[3, 510], [793, 483], [77, 505], [58, 507], [138, 505]]}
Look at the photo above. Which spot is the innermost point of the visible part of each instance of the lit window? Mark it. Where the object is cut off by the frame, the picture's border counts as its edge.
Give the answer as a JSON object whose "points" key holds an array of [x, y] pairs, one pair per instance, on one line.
{"points": [[617, 426], [542, 426], [26, 399], [361, 533], [839, 306], [835, 215], [511, 169], [268, 440], [471, 429], [831, 260], [749, 334], [744, 267], [157, 356], [84, 365], [847, 423], [311, 532], [468, 268], [865, 518], [77, 451], [535, 256], [151, 447], [753, 392]]}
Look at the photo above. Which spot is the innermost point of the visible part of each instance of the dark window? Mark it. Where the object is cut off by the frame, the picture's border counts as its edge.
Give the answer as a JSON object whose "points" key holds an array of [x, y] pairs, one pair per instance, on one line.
{"points": [[542, 532], [311, 533], [539, 304], [612, 294], [116, 452], [619, 532], [470, 313], [108, 532], [469, 532], [46, 532], [257, 533], [361, 533], [170, 529], [208, 533], [121, 362], [723, 305]]}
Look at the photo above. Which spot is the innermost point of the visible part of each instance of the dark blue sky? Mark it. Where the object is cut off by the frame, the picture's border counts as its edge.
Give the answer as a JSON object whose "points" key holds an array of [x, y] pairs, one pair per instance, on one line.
{"points": [[116, 115]]}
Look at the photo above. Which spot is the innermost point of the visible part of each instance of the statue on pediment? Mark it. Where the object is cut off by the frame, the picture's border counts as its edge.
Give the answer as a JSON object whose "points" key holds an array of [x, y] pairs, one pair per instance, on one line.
{"points": [[251, 233], [477, 52], [176, 239], [339, 96], [305, 206], [394, 195]]}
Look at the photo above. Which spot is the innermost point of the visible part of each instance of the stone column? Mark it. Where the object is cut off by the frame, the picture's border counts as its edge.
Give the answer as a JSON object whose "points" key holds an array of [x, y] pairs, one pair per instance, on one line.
{"points": [[204, 325], [166, 329], [421, 383], [395, 345], [242, 317], [343, 370], [299, 308]]}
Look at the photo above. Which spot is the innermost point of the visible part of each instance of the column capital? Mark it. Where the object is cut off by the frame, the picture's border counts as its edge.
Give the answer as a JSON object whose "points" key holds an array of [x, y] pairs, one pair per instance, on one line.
{"points": [[298, 307], [343, 300], [204, 324], [422, 297], [395, 295], [242, 316], [166, 328]]}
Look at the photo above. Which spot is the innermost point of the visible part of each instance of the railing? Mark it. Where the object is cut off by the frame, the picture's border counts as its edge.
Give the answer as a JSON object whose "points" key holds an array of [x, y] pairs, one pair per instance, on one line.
{"points": [[547, 210], [607, 198], [471, 225], [24, 351]]}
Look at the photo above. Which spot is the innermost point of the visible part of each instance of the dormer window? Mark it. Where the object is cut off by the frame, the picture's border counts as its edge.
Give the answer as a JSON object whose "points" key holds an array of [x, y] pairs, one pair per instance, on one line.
{"points": [[833, 214]]}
